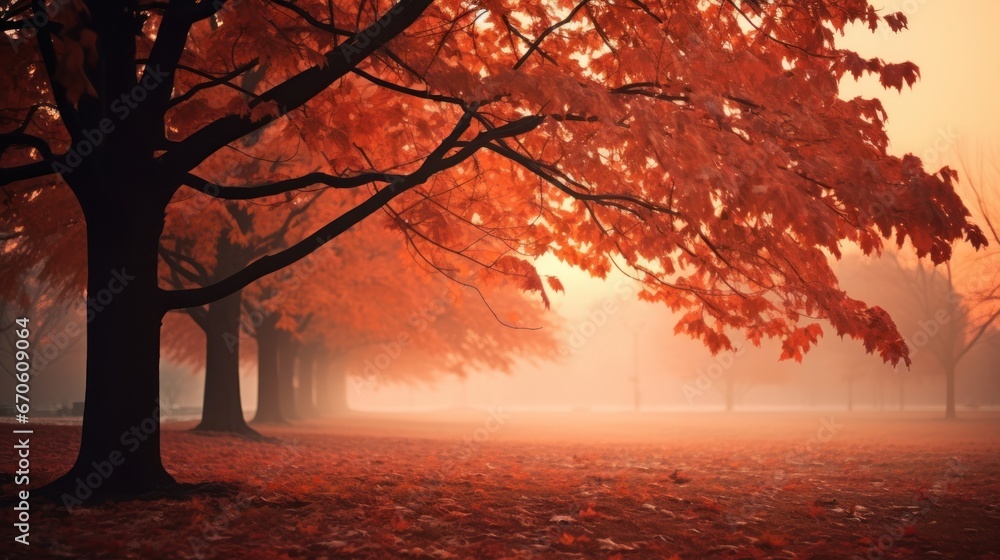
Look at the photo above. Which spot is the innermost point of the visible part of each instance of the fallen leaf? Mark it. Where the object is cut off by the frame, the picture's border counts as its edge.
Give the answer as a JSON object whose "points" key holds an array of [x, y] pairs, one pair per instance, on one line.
{"points": [[608, 544]]}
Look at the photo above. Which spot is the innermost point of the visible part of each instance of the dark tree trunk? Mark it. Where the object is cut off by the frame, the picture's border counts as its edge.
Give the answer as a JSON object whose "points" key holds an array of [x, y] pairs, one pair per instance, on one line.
{"points": [[123, 207], [268, 403], [331, 391], [120, 445], [949, 405], [305, 395], [288, 350], [222, 409]]}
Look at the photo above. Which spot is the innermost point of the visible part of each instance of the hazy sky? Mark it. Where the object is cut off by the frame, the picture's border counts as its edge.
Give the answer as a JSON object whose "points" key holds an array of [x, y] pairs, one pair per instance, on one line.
{"points": [[957, 47]]}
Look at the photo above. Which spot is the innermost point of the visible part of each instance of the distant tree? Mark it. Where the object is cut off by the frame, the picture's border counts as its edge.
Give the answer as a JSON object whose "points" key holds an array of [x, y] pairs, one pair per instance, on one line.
{"points": [[959, 302], [734, 374], [940, 322], [344, 305], [414, 331], [193, 258], [972, 283]]}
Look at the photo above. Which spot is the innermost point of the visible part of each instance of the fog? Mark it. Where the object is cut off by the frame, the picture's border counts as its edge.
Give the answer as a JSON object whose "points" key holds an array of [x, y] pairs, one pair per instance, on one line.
{"points": [[608, 337]]}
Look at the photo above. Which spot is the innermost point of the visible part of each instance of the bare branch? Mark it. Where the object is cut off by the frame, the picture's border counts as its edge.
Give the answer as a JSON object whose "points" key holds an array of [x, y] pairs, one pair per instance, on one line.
{"points": [[213, 81], [535, 45], [286, 185], [311, 20], [34, 170]]}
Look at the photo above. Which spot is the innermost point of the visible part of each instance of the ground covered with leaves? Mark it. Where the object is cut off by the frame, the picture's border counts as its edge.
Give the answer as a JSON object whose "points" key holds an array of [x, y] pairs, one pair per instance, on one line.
{"points": [[499, 484]]}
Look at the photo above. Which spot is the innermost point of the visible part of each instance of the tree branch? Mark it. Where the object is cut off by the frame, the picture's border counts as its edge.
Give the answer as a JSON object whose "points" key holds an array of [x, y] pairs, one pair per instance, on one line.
{"points": [[605, 199], [12, 139], [174, 260], [212, 82], [295, 91], [979, 333], [435, 162], [67, 112], [286, 185], [421, 94], [34, 170], [164, 56], [535, 46], [311, 20]]}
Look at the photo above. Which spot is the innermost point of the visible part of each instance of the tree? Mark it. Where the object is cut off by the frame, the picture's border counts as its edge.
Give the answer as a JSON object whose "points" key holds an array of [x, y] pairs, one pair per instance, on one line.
{"points": [[227, 238], [411, 330], [236, 240], [889, 282], [949, 323], [348, 301], [961, 306], [734, 374], [943, 315], [980, 276], [702, 146]]}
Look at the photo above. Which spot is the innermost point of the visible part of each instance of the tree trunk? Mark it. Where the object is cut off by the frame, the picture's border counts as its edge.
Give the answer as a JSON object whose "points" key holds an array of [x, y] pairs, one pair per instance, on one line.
{"points": [[268, 403], [288, 350], [305, 398], [331, 394], [120, 445], [222, 408], [949, 405], [123, 206]]}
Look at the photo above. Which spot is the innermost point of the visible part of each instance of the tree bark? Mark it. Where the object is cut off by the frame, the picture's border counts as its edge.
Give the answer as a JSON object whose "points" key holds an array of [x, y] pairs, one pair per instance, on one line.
{"points": [[222, 408], [268, 384], [120, 445]]}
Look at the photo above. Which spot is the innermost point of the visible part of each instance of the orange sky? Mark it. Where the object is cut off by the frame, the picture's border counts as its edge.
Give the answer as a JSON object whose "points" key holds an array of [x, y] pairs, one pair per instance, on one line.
{"points": [[957, 47]]}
